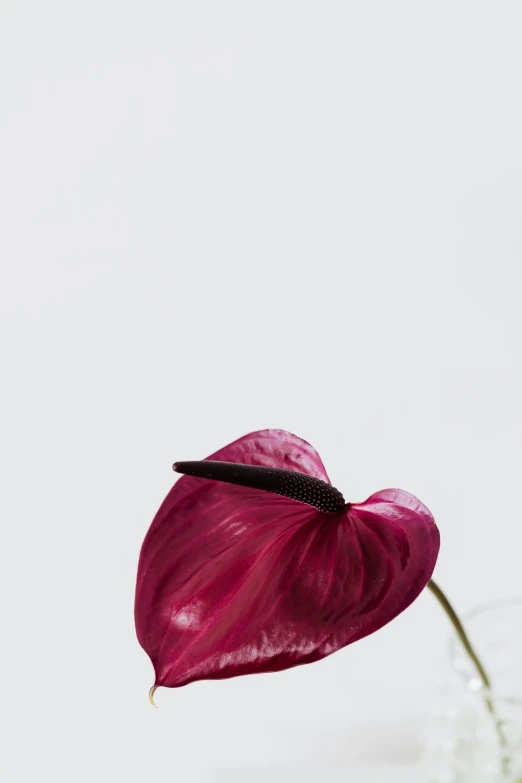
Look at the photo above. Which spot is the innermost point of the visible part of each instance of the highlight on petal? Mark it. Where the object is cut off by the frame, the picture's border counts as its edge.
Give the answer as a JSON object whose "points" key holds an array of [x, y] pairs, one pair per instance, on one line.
{"points": [[234, 580]]}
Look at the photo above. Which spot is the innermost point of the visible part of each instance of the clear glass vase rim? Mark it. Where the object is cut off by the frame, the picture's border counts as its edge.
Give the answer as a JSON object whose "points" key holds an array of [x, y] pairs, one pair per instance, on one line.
{"points": [[482, 610]]}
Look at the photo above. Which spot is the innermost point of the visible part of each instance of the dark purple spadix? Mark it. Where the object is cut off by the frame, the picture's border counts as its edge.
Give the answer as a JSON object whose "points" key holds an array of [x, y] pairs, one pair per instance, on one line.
{"points": [[288, 483]]}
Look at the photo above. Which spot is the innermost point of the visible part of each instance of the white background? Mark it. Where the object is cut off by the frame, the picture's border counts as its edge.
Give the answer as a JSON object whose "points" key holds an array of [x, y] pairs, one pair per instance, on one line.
{"points": [[223, 216]]}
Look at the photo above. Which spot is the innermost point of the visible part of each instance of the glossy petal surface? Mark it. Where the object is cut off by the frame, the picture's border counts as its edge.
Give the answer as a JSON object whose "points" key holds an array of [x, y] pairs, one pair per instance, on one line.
{"points": [[235, 581]]}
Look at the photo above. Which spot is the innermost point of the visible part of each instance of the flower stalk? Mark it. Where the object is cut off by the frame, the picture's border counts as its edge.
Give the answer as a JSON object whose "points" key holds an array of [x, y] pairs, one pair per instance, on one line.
{"points": [[468, 647]]}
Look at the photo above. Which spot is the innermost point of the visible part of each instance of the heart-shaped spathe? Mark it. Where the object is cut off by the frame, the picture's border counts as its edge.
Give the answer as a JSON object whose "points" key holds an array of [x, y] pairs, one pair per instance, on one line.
{"points": [[234, 580]]}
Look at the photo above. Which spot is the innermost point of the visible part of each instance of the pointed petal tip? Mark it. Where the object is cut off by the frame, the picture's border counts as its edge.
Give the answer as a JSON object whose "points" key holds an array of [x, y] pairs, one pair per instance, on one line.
{"points": [[151, 695]]}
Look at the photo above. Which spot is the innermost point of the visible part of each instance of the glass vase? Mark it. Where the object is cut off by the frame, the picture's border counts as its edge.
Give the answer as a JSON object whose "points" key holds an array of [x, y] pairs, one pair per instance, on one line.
{"points": [[476, 734]]}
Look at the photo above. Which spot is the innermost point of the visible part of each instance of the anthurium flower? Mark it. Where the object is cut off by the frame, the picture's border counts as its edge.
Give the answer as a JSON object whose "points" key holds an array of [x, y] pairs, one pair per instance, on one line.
{"points": [[255, 563]]}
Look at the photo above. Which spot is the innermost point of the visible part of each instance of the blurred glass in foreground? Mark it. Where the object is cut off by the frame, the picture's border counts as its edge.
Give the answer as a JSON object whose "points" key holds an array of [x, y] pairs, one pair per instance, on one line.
{"points": [[463, 744]]}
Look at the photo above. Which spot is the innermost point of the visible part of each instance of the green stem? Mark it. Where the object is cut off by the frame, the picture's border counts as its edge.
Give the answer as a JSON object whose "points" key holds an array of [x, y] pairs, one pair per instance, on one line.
{"points": [[486, 682], [461, 633]]}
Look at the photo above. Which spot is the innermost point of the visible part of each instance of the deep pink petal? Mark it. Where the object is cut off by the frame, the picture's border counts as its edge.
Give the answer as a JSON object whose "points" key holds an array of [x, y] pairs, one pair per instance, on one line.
{"points": [[235, 581]]}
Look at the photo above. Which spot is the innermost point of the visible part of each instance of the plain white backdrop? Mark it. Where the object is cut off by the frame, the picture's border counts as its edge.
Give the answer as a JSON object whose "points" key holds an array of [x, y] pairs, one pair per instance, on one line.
{"points": [[222, 216]]}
